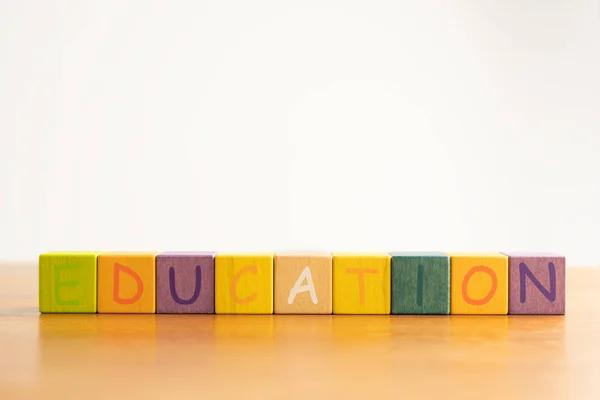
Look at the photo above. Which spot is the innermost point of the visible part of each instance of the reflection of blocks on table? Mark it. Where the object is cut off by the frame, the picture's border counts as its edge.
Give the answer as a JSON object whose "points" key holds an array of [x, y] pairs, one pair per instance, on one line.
{"points": [[244, 284], [479, 283], [67, 282], [361, 283], [185, 282], [302, 283], [536, 283], [127, 283], [420, 283]]}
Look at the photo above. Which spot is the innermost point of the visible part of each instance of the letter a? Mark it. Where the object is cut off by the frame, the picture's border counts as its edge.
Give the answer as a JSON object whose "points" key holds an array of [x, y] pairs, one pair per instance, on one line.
{"points": [[300, 288]]}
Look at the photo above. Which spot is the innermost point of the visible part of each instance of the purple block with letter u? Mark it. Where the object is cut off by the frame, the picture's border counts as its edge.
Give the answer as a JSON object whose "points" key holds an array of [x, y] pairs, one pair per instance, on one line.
{"points": [[185, 282]]}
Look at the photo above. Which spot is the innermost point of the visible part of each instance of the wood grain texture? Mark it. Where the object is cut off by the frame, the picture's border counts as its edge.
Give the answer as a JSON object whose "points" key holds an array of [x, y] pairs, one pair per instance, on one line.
{"points": [[127, 282], [478, 283], [303, 283], [185, 282], [536, 283], [68, 282], [361, 283], [187, 356], [420, 283], [244, 283]]}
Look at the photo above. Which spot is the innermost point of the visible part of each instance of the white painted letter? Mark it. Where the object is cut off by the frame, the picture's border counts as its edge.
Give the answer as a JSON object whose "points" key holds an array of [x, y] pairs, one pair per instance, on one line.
{"points": [[299, 288]]}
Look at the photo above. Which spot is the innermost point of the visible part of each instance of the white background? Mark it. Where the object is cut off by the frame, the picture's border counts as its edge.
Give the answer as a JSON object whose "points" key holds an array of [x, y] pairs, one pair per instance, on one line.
{"points": [[268, 125]]}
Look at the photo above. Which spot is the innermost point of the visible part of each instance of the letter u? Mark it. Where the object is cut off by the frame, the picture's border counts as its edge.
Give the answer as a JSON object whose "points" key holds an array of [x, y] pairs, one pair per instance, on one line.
{"points": [[196, 294]]}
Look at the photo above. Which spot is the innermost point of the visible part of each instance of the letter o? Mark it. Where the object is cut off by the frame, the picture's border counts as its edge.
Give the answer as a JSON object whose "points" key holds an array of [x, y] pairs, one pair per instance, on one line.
{"points": [[465, 283]]}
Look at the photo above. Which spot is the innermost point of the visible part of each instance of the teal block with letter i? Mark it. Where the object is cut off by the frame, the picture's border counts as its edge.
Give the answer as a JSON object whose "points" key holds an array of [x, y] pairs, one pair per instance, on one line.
{"points": [[420, 283]]}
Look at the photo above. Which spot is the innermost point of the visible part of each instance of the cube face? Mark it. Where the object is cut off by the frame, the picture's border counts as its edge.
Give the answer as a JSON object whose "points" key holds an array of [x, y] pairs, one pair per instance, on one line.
{"points": [[303, 283], [420, 283], [67, 282], [479, 283], [361, 283], [127, 283], [185, 282], [536, 283], [244, 284]]}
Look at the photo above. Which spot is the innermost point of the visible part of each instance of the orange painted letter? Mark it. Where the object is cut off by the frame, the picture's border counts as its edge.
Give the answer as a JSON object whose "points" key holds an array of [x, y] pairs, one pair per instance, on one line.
{"points": [[140, 285], [465, 284], [236, 278], [361, 280]]}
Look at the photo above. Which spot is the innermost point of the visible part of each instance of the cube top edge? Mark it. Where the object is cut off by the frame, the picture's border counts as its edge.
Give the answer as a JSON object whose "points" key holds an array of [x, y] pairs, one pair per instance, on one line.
{"points": [[301, 250], [71, 253], [358, 254], [187, 254], [418, 254], [296, 254], [476, 255], [129, 253], [532, 254], [241, 254]]}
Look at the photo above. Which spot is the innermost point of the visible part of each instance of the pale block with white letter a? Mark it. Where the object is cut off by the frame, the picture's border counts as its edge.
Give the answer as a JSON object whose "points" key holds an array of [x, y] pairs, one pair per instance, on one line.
{"points": [[303, 283]]}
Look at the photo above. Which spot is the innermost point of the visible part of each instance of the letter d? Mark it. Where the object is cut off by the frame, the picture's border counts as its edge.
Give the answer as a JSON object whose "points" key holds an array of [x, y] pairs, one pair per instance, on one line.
{"points": [[140, 285]]}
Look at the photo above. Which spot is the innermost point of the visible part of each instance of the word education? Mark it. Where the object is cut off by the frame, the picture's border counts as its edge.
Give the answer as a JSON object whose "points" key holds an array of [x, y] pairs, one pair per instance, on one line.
{"points": [[302, 283]]}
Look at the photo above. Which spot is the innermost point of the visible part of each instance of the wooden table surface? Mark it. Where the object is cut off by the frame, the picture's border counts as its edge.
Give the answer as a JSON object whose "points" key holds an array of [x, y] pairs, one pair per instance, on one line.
{"points": [[297, 357]]}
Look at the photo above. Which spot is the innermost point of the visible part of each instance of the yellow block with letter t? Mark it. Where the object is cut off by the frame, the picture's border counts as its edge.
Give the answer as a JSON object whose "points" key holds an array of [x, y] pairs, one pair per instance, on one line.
{"points": [[361, 283]]}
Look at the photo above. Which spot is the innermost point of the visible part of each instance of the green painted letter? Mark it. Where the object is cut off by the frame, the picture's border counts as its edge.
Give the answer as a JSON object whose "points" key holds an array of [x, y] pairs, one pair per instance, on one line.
{"points": [[58, 284]]}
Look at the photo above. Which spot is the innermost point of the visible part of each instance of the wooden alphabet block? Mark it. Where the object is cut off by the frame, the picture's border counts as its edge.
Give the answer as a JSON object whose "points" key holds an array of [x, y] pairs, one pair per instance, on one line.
{"points": [[185, 282], [361, 283], [244, 283], [536, 283], [303, 283], [479, 283], [67, 282], [420, 283], [127, 283]]}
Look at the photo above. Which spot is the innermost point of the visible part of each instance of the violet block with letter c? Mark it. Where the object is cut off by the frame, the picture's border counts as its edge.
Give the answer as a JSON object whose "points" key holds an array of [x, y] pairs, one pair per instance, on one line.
{"points": [[185, 283], [536, 283]]}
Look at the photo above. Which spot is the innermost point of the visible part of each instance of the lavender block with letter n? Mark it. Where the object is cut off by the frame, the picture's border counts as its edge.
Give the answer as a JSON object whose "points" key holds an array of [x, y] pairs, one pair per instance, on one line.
{"points": [[536, 283], [185, 283]]}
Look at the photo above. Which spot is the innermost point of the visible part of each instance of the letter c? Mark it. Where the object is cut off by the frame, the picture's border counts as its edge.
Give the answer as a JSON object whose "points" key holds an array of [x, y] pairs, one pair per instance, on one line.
{"points": [[236, 278]]}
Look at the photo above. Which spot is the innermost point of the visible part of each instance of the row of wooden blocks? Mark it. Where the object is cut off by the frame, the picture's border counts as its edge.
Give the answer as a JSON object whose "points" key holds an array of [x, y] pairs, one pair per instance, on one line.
{"points": [[302, 283]]}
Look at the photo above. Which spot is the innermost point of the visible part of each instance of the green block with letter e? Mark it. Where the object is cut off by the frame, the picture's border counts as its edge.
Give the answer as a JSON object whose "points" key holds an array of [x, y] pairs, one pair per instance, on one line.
{"points": [[68, 282]]}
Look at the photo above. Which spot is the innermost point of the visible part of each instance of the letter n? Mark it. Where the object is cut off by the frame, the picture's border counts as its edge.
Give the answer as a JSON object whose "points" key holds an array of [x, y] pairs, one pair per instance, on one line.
{"points": [[525, 272]]}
